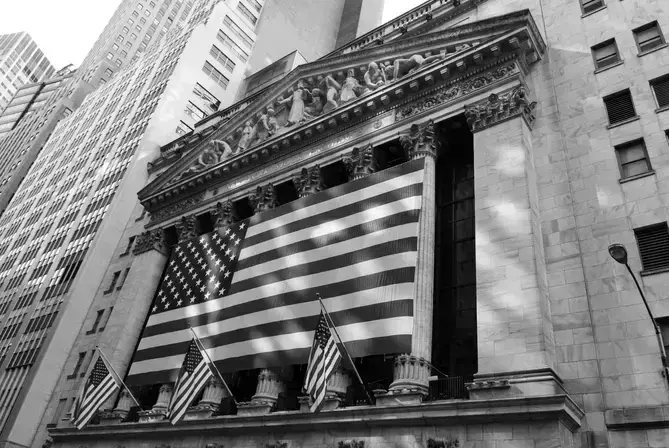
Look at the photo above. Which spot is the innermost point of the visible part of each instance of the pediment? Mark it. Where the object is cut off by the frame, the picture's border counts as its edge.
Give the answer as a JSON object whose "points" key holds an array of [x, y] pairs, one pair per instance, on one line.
{"points": [[321, 97]]}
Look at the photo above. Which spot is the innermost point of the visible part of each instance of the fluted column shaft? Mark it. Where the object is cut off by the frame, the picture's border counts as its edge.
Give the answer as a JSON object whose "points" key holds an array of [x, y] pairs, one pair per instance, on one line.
{"points": [[268, 388], [213, 392], [164, 397]]}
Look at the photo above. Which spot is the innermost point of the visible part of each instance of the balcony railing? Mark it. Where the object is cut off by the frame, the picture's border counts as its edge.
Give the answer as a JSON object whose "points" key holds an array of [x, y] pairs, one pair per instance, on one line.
{"points": [[450, 388]]}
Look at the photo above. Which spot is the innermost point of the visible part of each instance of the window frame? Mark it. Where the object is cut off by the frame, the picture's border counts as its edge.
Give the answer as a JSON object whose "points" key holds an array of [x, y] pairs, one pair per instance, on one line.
{"points": [[653, 24], [601, 46], [659, 80], [618, 94], [627, 145], [663, 225], [583, 6]]}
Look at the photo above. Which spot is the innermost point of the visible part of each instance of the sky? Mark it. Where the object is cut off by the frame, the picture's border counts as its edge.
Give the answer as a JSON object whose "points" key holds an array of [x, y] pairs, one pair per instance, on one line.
{"points": [[66, 29]]}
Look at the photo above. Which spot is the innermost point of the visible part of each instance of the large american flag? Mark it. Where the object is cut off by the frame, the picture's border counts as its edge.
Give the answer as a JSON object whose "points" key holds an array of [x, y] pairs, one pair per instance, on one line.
{"points": [[323, 360], [99, 387], [192, 378], [249, 291]]}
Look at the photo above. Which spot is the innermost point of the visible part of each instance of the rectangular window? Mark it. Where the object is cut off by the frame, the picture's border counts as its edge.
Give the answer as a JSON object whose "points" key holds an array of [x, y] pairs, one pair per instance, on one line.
{"points": [[119, 38], [130, 21], [147, 13], [110, 56], [648, 37], [128, 248], [114, 47], [653, 242], [256, 5], [588, 6], [77, 366], [115, 277], [605, 54], [663, 323], [124, 53], [125, 30], [135, 13], [632, 158], [222, 58], [237, 31], [661, 90], [232, 46], [214, 74], [246, 13], [108, 72], [98, 318], [125, 276], [194, 112], [619, 106], [128, 44], [138, 28], [102, 328], [118, 62]]}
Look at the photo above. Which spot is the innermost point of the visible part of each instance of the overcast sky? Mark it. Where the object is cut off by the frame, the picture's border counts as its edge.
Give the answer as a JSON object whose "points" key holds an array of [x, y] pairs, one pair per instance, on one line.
{"points": [[66, 29]]}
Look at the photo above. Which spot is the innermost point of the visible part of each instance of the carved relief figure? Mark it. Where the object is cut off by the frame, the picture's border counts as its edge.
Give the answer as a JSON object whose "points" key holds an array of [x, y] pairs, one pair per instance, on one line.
{"points": [[360, 163], [247, 136], [331, 88], [222, 148], [263, 199], [297, 99], [217, 151], [403, 67], [223, 214], [374, 78], [309, 181], [315, 108], [350, 89]]}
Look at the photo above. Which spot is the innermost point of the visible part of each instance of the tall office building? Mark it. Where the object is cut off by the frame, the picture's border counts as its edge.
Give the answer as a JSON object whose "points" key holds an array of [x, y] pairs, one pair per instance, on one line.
{"points": [[21, 62], [451, 184], [60, 230]]}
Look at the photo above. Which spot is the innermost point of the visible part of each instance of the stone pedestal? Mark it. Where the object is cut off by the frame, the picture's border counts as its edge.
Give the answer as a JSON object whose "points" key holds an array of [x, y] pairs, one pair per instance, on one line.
{"points": [[159, 410], [120, 412], [267, 394], [304, 404], [412, 371], [212, 395]]}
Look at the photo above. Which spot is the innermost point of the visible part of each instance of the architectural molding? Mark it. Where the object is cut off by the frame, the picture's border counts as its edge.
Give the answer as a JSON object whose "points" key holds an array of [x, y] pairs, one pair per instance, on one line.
{"points": [[151, 240], [420, 141], [309, 181], [223, 214], [263, 199], [498, 108], [360, 163], [187, 228], [176, 208]]}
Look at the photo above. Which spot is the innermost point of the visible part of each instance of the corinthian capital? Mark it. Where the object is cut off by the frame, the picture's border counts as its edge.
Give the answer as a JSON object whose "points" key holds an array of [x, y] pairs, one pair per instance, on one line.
{"points": [[360, 163], [263, 199], [309, 181], [421, 141], [151, 240], [187, 228], [498, 108], [223, 214]]}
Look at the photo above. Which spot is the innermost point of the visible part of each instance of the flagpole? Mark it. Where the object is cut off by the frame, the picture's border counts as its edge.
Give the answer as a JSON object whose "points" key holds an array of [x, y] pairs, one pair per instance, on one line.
{"points": [[106, 361], [350, 360], [202, 349]]}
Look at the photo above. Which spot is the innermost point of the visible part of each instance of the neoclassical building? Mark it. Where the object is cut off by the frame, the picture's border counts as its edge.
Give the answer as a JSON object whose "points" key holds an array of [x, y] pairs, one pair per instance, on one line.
{"points": [[524, 332]]}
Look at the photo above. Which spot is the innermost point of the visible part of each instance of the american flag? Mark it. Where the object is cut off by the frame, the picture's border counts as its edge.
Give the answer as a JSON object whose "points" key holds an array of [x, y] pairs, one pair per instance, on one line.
{"points": [[99, 387], [193, 377], [323, 360], [249, 291]]}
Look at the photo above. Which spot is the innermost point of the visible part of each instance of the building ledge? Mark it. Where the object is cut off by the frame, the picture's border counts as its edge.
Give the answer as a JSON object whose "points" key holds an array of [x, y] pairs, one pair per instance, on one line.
{"points": [[642, 417], [626, 121], [636, 176], [453, 412], [653, 50]]}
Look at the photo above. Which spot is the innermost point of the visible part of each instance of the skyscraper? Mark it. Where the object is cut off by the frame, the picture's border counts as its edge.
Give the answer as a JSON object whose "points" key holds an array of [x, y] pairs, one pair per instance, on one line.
{"points": [[61, 228], [21, 62]]}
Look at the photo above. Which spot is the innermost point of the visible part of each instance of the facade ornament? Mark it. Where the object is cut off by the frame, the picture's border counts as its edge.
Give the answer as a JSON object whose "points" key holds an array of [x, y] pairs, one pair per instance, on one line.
{"points": [[297, 99], [360, 163], [215, 152], [263, 199], [420, 142], [309, 181], [456, 90], [350, 89], [223, 214], [498, 108], [374, 78], [151, 240], [351, 443], [177, 208], [187, 228], [403, 67]]}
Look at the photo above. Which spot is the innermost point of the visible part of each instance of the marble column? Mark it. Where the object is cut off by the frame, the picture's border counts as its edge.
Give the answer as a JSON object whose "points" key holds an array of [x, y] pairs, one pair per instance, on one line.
{"points": [[268, 388], [412, 370], [126, 323], [516, 347], [212, 395], [159, 409]]}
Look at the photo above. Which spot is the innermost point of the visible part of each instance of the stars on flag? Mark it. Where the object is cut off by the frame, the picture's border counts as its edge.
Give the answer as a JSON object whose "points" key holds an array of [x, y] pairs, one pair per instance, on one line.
{"points": [[200, 269]]}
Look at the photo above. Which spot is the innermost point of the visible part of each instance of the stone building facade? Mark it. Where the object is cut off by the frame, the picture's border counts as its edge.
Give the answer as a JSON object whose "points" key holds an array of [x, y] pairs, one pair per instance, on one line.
{"points": [[534, 164]]}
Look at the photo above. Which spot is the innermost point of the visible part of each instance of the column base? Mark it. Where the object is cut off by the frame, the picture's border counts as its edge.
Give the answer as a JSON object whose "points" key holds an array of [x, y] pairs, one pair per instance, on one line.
{"points": [[200, 412], [538, 382], [411, 375], [112, 417], [255, 407], [404, 397], [331, 402], [153, 415], [304, 404]]}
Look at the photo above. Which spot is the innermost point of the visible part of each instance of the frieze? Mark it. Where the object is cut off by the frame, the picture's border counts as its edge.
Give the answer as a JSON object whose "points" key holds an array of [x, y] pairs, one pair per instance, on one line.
{"points": [[456, 90], [151, 240], [176, 208], [497, 108]]}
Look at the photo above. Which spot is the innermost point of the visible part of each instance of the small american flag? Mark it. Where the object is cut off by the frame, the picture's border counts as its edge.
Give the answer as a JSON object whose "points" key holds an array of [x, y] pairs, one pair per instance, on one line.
{"points": [[193, 377], [100, 386], [323, 360]]}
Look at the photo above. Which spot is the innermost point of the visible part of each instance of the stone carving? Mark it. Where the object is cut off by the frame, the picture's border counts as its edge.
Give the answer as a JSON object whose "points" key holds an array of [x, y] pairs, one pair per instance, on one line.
{"points": [[500, 107], [351, 443], [298, 96], [450, 443], [277, 444], [360, 163], [263, 199], [456, 90], [151, 240], [176, 208], [403, 67], [187, 228], [216, 151], [245, 140], [309, 181], [224, 214], [420, 142], [331, 88], [374, 77], [350, 89]]}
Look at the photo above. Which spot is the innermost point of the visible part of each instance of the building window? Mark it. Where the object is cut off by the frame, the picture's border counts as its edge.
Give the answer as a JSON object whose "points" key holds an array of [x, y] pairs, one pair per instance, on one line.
{"points": [[130, 21], [118, 62], [648, 37], [124, 53], [214, 74], [588, 6], [194, 112], [125, 30], [102, 328], [138, 28], [237, 31], [98, 318], [128, 44], [633, 159], [128, 248], [661, 90], [232, 46], [147, 13], [256, 5], [115, 277], [140, 6], [152, 4], [663, 323], [605, 54], [119, 38], [133, 36], [110, 56], [125, 276], [77, 366], [222, 58], [62, 404], [653, 242], [114, 47], [619, 106], [246, 13], [135, 13]]}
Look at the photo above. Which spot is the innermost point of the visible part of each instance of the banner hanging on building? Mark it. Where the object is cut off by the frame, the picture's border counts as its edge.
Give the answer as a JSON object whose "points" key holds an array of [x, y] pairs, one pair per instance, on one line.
{"points": [[249, 290]]}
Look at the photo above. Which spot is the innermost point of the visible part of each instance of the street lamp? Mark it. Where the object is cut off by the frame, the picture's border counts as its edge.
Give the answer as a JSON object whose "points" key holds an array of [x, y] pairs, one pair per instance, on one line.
{"points": [[619, 253]]}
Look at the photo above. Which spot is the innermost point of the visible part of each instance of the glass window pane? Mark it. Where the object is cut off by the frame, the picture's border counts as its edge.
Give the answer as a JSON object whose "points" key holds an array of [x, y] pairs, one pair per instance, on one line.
{"points": [[631, 154], [634, 168]]}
